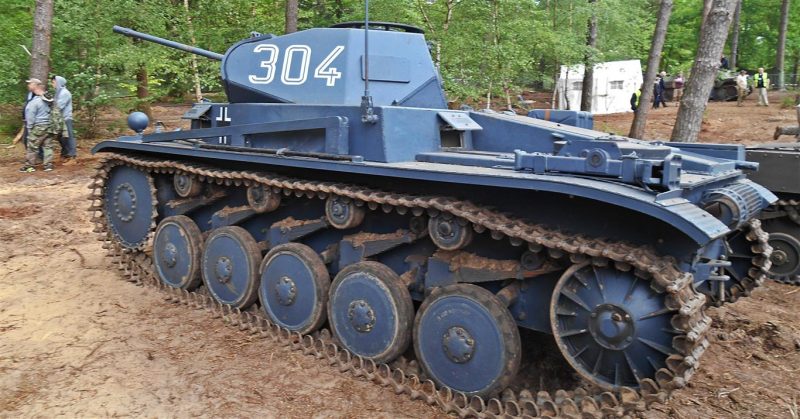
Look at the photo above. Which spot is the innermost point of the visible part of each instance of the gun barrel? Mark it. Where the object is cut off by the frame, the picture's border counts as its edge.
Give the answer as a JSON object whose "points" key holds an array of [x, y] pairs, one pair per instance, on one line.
{"points": [[166, 42]]}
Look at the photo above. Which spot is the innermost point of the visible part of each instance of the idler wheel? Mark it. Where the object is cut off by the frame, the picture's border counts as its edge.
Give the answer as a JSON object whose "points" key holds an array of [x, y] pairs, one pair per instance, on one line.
{"points": [[186, 185], [448, 232], [370, 311], [262, 199], [466, 339], [785, 257], [294, 287], [130, 206], [177, 251], [343, 213], [230, 266], [611, 326]]}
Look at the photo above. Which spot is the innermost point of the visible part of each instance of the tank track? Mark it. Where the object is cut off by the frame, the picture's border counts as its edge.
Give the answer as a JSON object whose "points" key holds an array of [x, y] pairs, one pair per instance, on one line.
{"points": [[759, 265], [586, 401], [792, 209]]}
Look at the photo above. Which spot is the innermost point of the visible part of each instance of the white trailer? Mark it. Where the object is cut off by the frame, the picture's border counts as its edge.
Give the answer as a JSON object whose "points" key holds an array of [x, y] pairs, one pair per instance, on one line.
{"points": [[614, 83]]}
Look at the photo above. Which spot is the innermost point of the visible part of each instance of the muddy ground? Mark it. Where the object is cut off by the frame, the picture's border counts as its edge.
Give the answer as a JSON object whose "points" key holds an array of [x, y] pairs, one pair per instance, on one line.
{"points": [[723, 122], [77, 342]]}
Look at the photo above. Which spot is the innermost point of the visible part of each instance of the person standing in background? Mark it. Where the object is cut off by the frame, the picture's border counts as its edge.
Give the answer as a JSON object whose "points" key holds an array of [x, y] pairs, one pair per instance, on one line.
{"points": [[678, 85], [657, 92], [37, 120], [662, 88], [63, 99], [741, 87], [761, 83], [637, 94]]}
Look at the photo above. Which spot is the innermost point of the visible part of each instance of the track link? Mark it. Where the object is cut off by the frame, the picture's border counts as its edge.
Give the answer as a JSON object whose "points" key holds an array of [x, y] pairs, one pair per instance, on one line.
{"points": [[689, 320]]}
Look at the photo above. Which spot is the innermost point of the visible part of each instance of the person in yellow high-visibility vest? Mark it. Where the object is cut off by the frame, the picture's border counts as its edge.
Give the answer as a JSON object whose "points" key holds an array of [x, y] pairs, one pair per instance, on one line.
{"points": [[761, 83], [637, 94]]}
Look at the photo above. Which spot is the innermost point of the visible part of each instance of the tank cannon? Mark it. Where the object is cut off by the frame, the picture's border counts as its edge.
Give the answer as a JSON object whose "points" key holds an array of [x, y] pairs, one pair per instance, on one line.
{"points": [[167, 43], [287, 198]]}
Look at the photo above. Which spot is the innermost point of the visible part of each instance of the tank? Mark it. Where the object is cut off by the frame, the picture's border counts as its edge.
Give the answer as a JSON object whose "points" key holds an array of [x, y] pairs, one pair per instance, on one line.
{"points": [[335, 190], [724, 87], [780, 164]]}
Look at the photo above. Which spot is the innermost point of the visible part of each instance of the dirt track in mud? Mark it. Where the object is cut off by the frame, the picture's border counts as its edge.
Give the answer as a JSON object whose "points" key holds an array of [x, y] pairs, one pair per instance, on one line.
{"points": [[76, 341]]}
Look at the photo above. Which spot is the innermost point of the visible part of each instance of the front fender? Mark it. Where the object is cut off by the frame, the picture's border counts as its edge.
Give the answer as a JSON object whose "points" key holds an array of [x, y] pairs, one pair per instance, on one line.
{"points": [[682, 214]]}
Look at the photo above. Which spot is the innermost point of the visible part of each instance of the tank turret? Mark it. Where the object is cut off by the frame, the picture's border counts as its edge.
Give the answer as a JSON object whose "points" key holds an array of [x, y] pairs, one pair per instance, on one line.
{"points": [[325, 66]]}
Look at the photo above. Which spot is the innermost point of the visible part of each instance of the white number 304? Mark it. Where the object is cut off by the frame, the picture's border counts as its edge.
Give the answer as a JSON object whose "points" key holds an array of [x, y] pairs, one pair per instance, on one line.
{"points": [[323, 71]]}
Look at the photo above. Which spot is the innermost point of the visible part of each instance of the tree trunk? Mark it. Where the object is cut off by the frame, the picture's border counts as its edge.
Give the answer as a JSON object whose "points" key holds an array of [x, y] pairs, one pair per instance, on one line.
{"points": [[507, 91], [735, 35], [291, 16], [779, 60], [588, 62], [42, 31], [142, 89], [795, 67], [653, 60], [198, 94], [489, 96], [704, 70], [496, 42], [706, 10]]}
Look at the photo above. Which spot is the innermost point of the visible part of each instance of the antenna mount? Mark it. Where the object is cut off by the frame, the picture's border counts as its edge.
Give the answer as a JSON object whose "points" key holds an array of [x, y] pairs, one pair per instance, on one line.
{"points": [[367, 111]]}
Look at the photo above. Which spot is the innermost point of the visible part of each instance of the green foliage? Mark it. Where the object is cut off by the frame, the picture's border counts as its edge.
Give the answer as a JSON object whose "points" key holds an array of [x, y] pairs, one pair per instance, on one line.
{"points": [[16, 26], [788, 102], [758, 35], [481, 46]]}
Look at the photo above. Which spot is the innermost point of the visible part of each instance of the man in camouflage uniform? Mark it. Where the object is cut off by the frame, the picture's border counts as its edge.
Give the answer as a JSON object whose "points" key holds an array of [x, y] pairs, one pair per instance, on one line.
{"points": [[37, 121]]}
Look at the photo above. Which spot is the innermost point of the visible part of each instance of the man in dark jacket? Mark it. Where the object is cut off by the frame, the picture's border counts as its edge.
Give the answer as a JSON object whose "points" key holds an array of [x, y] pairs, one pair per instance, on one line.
{"points": [[657, 92], [63, 99]]}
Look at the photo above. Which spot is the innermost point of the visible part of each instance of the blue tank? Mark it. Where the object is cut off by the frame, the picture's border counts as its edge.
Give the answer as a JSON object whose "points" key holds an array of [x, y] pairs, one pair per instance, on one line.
{"points": [[397, 223]]}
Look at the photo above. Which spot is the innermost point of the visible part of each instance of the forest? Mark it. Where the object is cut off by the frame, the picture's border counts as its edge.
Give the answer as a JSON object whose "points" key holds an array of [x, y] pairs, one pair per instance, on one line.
{"points": [[482, 47]]}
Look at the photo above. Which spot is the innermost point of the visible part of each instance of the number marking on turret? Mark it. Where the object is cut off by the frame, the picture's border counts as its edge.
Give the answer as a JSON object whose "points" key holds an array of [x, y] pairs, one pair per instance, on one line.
{"points": [[322, 71]]}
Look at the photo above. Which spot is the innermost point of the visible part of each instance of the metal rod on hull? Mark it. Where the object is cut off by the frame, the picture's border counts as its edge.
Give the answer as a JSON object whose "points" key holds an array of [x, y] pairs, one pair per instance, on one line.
{"points": [[366, 48], [166, 42], [367, 111]]}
